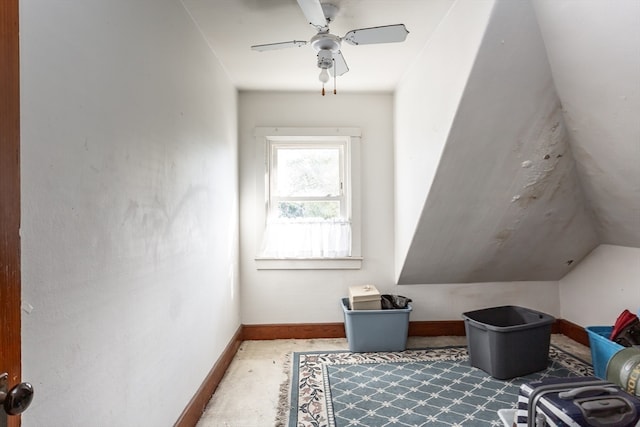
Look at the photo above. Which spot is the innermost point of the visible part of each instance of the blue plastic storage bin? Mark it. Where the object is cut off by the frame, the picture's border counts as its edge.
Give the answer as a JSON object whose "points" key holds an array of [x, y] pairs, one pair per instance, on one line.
{"points": [[602, 349], [376, 330]]}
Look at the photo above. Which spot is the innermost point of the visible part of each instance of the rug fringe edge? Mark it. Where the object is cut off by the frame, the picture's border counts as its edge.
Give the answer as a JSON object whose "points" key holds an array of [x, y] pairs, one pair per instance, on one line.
{"points": [[284, 399]]}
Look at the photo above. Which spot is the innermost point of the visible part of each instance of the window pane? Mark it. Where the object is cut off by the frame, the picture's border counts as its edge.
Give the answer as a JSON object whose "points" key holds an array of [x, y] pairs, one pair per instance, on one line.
{"points": [[308, 172], [324, 209]]}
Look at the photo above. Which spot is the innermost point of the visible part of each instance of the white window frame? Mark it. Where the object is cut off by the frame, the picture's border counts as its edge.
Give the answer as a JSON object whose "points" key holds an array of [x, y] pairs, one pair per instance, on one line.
{"points": [[350, 137]]}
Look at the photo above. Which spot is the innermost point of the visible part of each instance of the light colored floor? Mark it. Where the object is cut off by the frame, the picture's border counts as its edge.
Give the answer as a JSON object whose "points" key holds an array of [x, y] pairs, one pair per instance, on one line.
{"points": [[248, 393]]}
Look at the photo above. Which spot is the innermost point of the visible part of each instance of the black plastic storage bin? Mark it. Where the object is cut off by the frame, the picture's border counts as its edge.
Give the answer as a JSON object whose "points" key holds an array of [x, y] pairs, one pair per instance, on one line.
{"points": [[508, 341]]}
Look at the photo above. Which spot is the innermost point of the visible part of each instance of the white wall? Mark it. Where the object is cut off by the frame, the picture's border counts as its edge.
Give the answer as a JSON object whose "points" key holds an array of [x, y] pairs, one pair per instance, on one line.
{"points": [[448, 301], [301, 296], [602, 286], [426, 101], [308, 296], [129, 211]]}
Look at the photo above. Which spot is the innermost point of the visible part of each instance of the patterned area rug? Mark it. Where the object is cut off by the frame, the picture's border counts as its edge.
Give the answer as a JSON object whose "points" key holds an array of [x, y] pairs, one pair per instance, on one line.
{"points": [[421, 387]]}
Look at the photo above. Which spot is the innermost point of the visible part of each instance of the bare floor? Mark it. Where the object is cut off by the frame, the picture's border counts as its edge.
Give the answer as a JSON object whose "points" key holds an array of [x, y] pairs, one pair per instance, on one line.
{"points": [[248, 393]]}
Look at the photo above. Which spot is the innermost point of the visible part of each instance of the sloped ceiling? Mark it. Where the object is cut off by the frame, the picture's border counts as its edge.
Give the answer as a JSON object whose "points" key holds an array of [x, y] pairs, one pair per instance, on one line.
{"points": [[594, 53], [542, 163], [506, 202]]}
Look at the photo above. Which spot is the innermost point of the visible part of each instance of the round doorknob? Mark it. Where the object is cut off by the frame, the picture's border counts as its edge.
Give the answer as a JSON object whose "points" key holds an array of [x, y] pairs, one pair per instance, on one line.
{"points": [[18, 399]]}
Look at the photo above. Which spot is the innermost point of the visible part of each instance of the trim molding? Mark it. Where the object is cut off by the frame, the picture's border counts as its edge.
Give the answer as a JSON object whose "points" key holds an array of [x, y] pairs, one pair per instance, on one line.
{"points": [[10, 272], [437, 328], [293, 331], [336, 330], [428, 328], [194, 409], [573, 331], [345, 263]]}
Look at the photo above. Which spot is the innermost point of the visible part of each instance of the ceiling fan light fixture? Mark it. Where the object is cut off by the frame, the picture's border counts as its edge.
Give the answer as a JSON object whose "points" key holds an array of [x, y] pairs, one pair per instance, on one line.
{"points": [[325, 59], [324, 76]]}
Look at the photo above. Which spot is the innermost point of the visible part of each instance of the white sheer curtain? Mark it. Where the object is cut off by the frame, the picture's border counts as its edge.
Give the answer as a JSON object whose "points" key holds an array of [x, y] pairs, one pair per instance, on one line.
{"points": [[307, 238]]}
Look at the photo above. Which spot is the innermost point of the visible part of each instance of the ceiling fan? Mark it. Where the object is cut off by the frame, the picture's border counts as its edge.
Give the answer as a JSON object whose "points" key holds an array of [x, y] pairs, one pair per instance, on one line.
{"points": [[320, 15]]}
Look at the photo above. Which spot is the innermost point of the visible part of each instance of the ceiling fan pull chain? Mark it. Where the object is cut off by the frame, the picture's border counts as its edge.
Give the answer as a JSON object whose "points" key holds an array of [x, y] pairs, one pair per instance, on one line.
{"points": [[322, 89], [335, 76]]}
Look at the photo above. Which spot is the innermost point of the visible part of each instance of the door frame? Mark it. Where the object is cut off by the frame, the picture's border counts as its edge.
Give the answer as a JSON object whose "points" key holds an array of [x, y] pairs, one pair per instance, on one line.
{"points": [[10, 272]]}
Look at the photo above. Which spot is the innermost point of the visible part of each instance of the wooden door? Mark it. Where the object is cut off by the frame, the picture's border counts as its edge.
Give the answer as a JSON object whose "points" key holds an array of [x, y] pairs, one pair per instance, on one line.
{"points": [[9, 198]]}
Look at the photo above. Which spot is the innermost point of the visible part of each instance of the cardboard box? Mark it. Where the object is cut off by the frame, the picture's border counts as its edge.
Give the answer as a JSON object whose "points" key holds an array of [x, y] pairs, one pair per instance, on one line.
{"points": [[364, 297]]}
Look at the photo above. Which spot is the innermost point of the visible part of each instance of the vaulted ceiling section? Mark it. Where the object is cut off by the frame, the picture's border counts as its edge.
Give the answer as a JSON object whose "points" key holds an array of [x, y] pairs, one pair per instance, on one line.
{"points": [[542, 159], [541, 163]]}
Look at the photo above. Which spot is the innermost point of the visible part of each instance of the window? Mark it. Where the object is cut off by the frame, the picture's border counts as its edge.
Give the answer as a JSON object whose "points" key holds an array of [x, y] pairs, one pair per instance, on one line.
{"points": [[310, 187], [307, 211], [306, 181]]}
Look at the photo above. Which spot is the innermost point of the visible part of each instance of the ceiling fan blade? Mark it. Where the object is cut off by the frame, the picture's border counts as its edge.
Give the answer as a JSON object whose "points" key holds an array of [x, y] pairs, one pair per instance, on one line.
{"points": [[281, 45], [313, 12], [373, 35], [340, 66]]}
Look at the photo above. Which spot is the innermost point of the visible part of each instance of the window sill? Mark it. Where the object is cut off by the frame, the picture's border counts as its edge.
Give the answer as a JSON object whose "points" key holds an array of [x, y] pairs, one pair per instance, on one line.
{"points": [[345, 263]]}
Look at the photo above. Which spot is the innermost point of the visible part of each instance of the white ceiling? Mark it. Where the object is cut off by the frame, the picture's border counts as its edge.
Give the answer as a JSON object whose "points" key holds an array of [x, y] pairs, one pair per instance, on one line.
{"points": [[232, 26]]}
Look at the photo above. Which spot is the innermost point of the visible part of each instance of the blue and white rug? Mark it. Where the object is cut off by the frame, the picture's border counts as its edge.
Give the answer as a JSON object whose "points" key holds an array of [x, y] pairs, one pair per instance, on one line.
{"points": [[422, 387]]}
